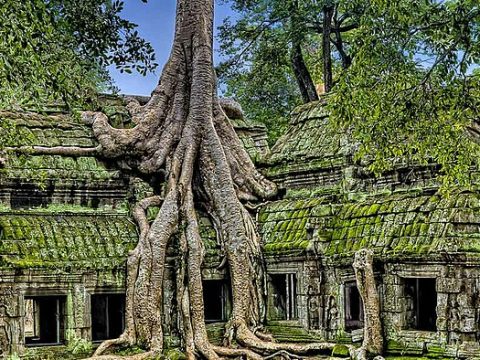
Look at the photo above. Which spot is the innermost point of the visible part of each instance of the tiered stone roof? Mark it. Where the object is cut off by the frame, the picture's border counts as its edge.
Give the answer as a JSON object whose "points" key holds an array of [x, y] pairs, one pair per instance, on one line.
{"points": [[333, 206], [59, 239], [61, 212]]}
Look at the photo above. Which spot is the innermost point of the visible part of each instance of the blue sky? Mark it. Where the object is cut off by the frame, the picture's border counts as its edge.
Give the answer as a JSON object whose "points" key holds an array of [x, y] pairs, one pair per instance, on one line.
{"points": [[155, 21]]}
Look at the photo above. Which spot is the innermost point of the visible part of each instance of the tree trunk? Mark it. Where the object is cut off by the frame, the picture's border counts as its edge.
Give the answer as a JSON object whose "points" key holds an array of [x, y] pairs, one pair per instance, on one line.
{"points": [[372, 338], [300, 69], [326, 49], [338, 42], [183, 133], [304, 79]]}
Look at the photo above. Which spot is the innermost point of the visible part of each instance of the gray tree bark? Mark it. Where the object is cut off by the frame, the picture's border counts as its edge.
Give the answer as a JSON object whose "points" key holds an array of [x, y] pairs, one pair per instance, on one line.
{"points": [[183, 132], [372, 334]]}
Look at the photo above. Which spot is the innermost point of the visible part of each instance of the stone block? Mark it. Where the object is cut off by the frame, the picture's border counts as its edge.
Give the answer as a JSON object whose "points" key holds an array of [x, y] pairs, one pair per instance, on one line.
{"points": [[469, 349], [393, 322], [357, 335], [442, 323], [434, 350], [468, 324], [401, 346], [449, 285]]}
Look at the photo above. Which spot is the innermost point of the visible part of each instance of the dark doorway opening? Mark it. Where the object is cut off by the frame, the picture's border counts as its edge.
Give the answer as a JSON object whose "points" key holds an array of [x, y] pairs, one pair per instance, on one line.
{"points": [[44, 320], [216, 300], [283, 296], [421, 304], [108, 316], [353, 307]]}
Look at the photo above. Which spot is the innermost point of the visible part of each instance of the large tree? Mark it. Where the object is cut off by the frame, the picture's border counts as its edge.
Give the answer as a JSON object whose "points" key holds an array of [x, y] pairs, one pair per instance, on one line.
{"points": [[182, 136], [183, 133]]}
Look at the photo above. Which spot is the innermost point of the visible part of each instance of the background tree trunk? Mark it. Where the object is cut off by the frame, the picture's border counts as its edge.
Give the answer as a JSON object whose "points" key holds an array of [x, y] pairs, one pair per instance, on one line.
{"points": [[326, 48], [372, 338], [304, 79], [300, 69]]}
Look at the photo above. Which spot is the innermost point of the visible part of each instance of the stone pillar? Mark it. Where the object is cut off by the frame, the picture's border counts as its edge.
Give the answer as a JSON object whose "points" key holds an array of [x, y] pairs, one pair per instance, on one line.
{"points": [[11, 321], [79, 323]]}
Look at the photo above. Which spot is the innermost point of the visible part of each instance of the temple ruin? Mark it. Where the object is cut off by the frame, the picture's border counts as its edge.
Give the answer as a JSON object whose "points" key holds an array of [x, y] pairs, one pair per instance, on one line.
{"points": [[65, 232]]}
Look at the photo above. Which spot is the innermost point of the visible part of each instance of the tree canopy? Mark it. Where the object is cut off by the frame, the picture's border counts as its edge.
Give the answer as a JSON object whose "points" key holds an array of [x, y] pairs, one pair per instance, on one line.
{"points": [[401, 75], [275, 55], [411, 93], [58, 50]]}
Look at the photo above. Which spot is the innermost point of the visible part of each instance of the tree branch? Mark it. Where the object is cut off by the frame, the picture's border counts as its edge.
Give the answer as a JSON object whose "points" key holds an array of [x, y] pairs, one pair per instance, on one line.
{"points": [[338, 43], [318, 27], [74, 151]]}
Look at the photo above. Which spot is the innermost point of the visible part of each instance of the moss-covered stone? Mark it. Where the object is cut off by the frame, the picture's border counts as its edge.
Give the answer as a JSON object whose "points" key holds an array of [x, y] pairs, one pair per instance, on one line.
{"points": [[44, 240], [290, 331], [174, 354], [53, 353], [340, 351]]}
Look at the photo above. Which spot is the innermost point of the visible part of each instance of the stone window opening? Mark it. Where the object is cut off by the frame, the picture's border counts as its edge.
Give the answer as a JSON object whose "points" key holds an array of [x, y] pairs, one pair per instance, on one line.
{"points": [[108, 316], [216, 300], [44, 320], [353, 307], [421, 303], [283, 296]]}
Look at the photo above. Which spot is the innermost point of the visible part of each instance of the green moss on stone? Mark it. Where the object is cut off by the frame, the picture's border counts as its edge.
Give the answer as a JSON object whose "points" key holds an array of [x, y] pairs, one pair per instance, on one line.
{"points": [[47, 240], [174, 354], [340, 351], [436, 352]]}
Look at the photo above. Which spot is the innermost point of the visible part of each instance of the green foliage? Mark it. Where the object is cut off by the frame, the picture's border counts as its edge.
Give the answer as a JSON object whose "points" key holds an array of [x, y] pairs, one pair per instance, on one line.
{"points": [[77, 345], [259, 77], [34, 57], [258, 47], [13, 357], [58, 50], [175, 354], [128, 351], [410, 94], [269, 94], [101, 33]]}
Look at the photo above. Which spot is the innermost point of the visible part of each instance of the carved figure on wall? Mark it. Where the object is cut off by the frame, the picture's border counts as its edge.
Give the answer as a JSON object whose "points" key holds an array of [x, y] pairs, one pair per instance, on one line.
{"points": [[332, 314], [313, 309]]}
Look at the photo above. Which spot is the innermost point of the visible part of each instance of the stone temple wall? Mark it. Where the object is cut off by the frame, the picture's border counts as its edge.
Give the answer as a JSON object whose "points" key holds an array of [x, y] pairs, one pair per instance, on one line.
{"points": [[323, 305], [425, 244], [457, 310], [75, 288]]}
